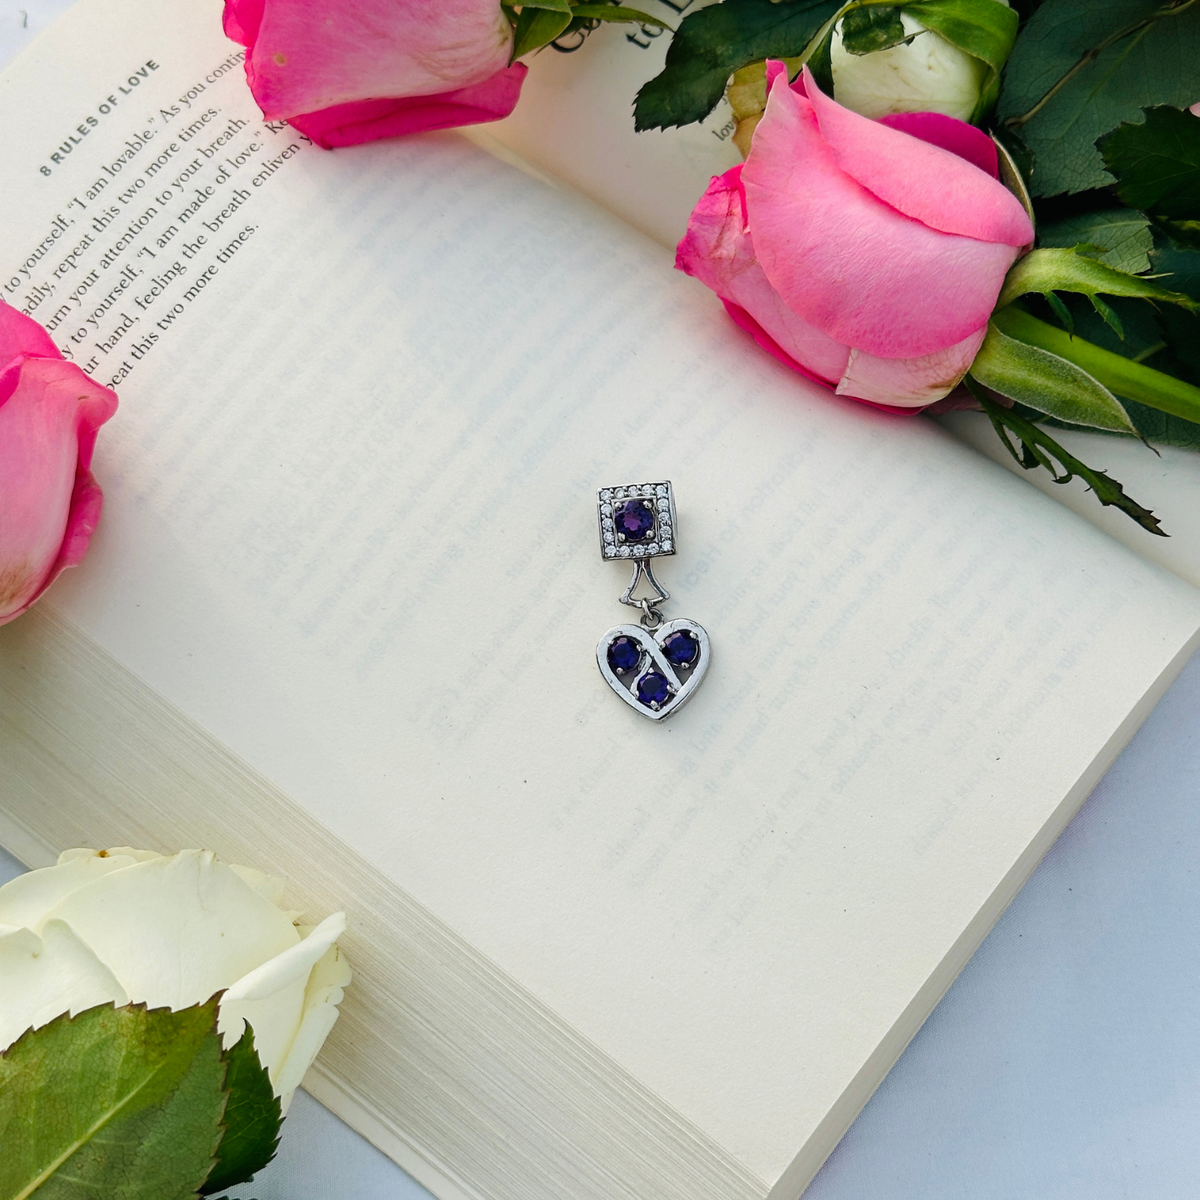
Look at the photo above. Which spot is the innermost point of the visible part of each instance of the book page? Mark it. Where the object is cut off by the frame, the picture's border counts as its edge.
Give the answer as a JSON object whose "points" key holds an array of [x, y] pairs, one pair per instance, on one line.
{"points": [[350, 530], [1165, 480], [575, 122]]}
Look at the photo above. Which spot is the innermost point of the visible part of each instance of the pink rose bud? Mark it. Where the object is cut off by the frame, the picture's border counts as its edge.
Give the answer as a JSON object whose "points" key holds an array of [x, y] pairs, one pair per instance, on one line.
{"points": [[49, 502], [350, 71], [867, 255]]}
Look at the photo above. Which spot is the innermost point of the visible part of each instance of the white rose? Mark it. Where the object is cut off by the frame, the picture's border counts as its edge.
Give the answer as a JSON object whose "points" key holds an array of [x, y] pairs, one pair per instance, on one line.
{"points": [[128, 926], [926, 75]]}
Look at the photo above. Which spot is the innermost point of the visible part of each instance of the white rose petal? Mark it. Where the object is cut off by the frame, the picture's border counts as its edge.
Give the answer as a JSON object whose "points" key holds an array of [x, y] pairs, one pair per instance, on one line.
{"points": [[293, 965], [43, 976], [28, 898], [927, 75], [176, 930], [126, 925], [272, 997], [269, 887], [321, 997]]}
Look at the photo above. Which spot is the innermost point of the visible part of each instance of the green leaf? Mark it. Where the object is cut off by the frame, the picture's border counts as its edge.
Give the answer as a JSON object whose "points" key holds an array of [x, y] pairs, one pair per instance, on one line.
{"points": [[537, 27], [612, 12], [113, 1103], [1060, 270], [716, 41], [1180, 265], [562, 6], [1122, 235], [1157, 164], [1039, 449], [984, 29], [873, 27], [1081, 67], [252, 1118], [1047, 382]]}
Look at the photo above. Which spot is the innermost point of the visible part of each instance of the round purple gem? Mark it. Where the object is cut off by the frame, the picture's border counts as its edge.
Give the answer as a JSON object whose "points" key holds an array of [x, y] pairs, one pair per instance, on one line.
{"points": [[653, 690], [681, 648], [635, 520], [623, 655]]}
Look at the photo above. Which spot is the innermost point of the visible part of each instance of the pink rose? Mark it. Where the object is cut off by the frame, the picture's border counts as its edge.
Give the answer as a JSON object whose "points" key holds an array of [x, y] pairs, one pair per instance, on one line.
{"points": [[49, 502], [867, 255], [350, 71]]}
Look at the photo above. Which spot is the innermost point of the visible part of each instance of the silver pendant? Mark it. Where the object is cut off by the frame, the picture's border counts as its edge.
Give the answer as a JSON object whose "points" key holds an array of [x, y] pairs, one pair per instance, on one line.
{"points": [[655, 666]]}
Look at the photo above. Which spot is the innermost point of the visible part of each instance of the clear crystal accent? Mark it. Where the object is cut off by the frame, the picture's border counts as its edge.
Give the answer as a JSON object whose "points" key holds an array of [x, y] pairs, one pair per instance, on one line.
{"points": [[606, 494], [666, 544], [624, 552], [661, 489], [652, 548], [607, 523]]}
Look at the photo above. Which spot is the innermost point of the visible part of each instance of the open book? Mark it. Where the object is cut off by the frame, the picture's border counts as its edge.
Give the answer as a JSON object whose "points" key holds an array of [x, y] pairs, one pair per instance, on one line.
{"points": [[339, 621]]}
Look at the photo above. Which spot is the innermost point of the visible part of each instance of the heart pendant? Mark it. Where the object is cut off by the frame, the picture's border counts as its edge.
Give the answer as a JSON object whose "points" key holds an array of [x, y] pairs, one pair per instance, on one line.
{"points": [[654, 671]]}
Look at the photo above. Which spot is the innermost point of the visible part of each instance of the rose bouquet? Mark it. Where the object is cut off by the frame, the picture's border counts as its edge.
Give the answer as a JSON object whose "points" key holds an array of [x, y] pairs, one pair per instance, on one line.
{"points": [[962, 204], [156, 1015]]}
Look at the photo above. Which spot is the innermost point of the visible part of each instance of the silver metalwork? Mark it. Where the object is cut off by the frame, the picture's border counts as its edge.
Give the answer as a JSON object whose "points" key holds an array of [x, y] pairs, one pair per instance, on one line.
{"points": [[654, 686], [660, 502], [642, 570], [682, 684]]}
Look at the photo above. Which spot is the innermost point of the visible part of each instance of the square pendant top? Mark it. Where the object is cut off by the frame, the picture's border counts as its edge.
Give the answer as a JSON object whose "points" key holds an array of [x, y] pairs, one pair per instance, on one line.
{"points": [[637, 520]]}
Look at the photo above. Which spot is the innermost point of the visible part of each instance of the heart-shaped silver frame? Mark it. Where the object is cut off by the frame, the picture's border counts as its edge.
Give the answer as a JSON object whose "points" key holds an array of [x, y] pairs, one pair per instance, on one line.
{"points": [[651, 643]]}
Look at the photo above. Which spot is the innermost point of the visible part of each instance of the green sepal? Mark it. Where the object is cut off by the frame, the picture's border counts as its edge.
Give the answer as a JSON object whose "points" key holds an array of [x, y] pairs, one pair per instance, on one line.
{"points": [[1157, 164], [1013, 177], [820, 60], [873, 27], [1054, 269], [1048, 383], [114, 1102], [1039, 449], [984, 29], [561, 6], [253, 1116], [537, 27], [712, 43]]}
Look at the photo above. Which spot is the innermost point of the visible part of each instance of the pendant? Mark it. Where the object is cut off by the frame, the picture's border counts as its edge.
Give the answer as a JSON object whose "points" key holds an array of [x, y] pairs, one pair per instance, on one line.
{"points": [[656, 665]]}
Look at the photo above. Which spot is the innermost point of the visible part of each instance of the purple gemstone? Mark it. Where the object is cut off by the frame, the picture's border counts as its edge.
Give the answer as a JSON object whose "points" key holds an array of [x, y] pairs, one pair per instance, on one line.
{"points": [[634, 520], [681, 648], [653, 690], [623, 655]]}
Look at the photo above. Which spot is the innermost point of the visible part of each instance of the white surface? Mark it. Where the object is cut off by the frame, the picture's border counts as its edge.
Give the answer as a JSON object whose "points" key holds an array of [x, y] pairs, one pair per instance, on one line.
{"points": [[1063, 1065]]}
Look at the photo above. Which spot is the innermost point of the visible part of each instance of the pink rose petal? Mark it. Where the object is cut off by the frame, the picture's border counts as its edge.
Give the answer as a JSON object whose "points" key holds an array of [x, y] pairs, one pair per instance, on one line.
{"points": [[956, 136], [718, 251], [909, 382], [241, 20], [307, 55], [851, 264], [934, 186], [49, 414], [20, 334], [369, 120]]}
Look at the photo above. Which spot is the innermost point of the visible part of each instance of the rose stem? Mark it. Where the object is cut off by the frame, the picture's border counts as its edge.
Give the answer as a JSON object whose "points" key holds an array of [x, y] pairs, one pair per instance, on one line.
{"points": [[1133, 380]]}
